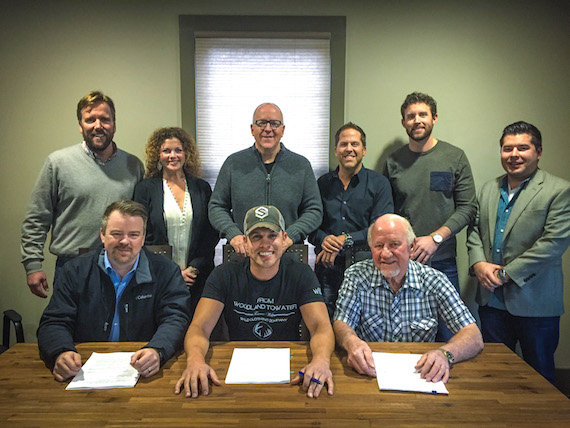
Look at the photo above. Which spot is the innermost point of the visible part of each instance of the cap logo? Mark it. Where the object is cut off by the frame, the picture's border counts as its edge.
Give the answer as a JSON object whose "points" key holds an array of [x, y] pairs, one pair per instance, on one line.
{"points": [[261, 212]]}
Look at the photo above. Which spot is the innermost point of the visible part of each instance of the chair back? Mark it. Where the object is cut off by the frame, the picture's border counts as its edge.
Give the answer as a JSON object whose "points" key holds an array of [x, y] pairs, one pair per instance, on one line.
{"points": [[356, 254], [11, 316], [165, 250], [299, 251]]}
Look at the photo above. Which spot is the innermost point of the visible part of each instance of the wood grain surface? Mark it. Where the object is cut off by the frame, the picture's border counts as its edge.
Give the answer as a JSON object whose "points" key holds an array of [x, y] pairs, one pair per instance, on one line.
{"points": [[496, 388]]}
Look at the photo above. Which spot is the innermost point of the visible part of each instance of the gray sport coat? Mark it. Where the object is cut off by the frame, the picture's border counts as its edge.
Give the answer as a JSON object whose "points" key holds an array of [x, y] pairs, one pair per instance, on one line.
{"points": [[536, 236]]}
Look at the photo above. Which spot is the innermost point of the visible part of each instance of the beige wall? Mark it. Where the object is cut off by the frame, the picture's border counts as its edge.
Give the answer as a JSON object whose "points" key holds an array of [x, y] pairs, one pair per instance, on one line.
{"points": [[486, 63]]}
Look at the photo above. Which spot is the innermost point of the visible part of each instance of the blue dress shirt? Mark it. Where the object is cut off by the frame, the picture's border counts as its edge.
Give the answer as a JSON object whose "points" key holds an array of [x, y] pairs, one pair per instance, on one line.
{"points": [[507, 201], [120, 285]]}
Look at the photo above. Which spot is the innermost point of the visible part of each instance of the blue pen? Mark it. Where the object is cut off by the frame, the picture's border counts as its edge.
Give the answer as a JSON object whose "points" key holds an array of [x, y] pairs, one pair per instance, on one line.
{"points": [[312, 378]]}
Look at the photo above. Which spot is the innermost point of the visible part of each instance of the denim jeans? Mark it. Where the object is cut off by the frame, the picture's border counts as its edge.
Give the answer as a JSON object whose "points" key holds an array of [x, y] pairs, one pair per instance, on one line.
{"points": [[537, 336], [330, 279], [449, 268]]}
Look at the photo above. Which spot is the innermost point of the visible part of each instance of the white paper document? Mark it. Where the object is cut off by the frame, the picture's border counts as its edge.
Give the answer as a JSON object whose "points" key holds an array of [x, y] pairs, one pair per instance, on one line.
{"points": [[267, 365], [396, 372], [106, 370]]}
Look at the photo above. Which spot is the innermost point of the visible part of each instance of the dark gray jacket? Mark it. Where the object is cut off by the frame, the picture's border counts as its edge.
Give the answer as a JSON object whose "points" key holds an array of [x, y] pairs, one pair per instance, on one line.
{"points": [[243, 183], [154, 307]]}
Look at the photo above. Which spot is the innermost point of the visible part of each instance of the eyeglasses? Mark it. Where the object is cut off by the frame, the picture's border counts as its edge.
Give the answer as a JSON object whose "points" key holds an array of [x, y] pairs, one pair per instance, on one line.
{"points": [[262, 123]]}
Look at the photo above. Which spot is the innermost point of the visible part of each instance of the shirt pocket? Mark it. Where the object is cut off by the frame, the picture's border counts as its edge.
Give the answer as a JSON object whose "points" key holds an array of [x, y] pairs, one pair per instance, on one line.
{"points": [[373, 328], [441, 181], [423, 330]]}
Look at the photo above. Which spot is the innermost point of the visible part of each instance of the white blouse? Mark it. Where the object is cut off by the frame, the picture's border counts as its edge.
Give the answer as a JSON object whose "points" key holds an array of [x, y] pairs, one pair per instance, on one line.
{"points": [[178, 224]]}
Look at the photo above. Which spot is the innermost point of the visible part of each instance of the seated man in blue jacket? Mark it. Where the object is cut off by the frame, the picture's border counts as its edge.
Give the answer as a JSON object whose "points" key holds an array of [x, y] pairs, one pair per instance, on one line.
{"points": [[119, 292]]}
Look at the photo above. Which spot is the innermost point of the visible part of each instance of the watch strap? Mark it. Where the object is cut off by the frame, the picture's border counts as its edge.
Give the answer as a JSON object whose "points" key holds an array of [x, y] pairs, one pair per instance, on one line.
{"points": [[448, 355]]}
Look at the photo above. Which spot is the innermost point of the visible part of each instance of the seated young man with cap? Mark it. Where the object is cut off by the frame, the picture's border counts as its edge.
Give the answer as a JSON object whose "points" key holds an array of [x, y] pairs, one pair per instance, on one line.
{"points": [[263, 297]]}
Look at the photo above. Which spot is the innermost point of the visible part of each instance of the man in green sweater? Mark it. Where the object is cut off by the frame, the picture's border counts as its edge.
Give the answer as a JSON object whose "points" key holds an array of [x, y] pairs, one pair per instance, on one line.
{"points": [[432, 187], [73, 189], [266, 173]]}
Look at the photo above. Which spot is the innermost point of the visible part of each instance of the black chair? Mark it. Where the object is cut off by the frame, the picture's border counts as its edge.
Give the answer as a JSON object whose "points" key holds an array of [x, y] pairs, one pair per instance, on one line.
{"points": [[165, 250], [11, 316], [156, 249], [299, 251], [356, 253]]}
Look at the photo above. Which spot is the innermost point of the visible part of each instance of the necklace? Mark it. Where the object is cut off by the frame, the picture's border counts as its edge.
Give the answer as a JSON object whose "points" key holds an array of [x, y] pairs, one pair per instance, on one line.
{"points": [[177, 194]]}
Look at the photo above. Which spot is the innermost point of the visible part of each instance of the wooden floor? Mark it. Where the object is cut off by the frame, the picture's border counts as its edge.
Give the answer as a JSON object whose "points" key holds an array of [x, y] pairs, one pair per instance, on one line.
{"points": [[495, 389]]}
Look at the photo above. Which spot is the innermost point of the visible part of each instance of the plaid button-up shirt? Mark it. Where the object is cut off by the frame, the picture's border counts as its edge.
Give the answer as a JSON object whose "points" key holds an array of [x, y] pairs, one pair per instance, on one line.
{"points": [[378, 314]]}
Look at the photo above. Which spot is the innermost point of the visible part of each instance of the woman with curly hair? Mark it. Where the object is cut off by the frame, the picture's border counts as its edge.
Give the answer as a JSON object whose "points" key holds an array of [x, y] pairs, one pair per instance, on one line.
{"points": [[177, 204]]}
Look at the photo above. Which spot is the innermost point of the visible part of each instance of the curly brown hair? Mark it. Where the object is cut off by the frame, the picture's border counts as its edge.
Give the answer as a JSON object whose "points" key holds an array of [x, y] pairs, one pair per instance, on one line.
{"points": [[158, 137]]}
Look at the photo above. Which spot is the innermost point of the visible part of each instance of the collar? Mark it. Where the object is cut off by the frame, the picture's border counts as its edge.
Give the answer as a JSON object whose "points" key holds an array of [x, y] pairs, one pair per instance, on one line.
{"points": [[282, 149], [505, 183], [358, 175], [95, 156], [109, 267], [141, 266], [411, 281], [249, 273]]}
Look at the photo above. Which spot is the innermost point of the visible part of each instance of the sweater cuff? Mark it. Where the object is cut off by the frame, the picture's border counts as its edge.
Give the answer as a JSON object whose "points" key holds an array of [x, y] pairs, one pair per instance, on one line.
{"points": [[32, 266], [294, 235], [232, 232]]}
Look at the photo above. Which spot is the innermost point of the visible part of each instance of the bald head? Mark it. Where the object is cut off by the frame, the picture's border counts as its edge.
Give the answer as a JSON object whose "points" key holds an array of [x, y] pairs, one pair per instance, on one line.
{"points": [[267, 130], [392, 222], [264, 108]]}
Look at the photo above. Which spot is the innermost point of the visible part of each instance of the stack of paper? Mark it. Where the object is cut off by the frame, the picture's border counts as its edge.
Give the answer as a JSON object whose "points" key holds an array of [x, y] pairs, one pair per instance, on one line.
{"points": [[268, 365], [396, 372], [108, 370]]}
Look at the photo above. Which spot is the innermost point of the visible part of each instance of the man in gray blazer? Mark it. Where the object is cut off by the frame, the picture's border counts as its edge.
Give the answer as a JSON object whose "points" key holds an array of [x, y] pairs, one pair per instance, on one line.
{"points": [[515, 250]]}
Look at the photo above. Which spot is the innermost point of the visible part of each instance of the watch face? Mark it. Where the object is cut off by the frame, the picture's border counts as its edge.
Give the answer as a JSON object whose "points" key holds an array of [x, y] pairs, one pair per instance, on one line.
{"points": [[438, 239]]}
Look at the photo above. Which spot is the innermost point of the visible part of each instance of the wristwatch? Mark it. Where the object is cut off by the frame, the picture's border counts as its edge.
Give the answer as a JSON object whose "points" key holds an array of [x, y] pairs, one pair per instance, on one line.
{"points": [[449, 356], [348, 241], [502, 275], [437, 238]]}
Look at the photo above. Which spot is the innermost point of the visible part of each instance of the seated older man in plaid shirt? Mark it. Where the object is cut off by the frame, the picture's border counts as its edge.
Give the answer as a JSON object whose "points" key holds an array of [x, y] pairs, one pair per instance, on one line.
{"points": [[394, 299]]}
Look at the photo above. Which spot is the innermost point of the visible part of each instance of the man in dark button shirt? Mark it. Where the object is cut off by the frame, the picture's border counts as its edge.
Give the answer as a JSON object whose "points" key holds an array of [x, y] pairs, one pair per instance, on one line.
{"points": [[353, 198]]}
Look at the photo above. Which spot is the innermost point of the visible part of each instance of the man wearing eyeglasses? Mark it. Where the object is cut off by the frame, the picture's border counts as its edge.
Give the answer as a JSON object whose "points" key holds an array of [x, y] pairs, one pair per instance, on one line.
{"points": [[266, 173]]}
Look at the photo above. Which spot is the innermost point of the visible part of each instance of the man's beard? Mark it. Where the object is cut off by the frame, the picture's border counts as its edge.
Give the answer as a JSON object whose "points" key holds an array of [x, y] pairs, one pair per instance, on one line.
{"points": [[390, 273], [99, 148], [425, 136]]}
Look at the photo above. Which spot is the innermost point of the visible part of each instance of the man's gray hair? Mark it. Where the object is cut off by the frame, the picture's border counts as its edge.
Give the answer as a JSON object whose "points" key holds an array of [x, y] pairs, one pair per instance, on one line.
{"points": [[410, 235]]}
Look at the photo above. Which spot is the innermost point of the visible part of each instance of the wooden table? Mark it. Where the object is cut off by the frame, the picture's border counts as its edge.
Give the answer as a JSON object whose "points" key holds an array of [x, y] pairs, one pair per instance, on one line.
{"points": [[497, 388]]}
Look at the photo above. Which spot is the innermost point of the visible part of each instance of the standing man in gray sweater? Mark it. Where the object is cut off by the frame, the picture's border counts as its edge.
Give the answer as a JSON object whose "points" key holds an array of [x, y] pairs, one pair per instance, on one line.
{"points": [[266, 174], [433, 188], [73, 189]]}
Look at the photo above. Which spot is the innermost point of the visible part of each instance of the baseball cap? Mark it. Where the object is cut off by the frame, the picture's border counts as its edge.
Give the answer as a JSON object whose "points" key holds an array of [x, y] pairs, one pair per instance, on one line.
{"points": [[263, 216]]}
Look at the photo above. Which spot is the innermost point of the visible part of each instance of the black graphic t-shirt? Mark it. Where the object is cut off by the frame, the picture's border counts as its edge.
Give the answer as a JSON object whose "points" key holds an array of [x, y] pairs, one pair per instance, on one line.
{"points": [[263, 310]]}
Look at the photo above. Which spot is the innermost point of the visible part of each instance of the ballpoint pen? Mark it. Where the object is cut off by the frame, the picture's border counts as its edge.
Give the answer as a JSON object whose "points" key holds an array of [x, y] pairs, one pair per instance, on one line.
{"points": [[312, 378]]}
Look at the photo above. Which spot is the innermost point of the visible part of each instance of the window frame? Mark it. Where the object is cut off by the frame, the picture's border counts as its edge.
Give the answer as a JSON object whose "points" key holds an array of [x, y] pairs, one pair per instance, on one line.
{"points": [[333, 27]]}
